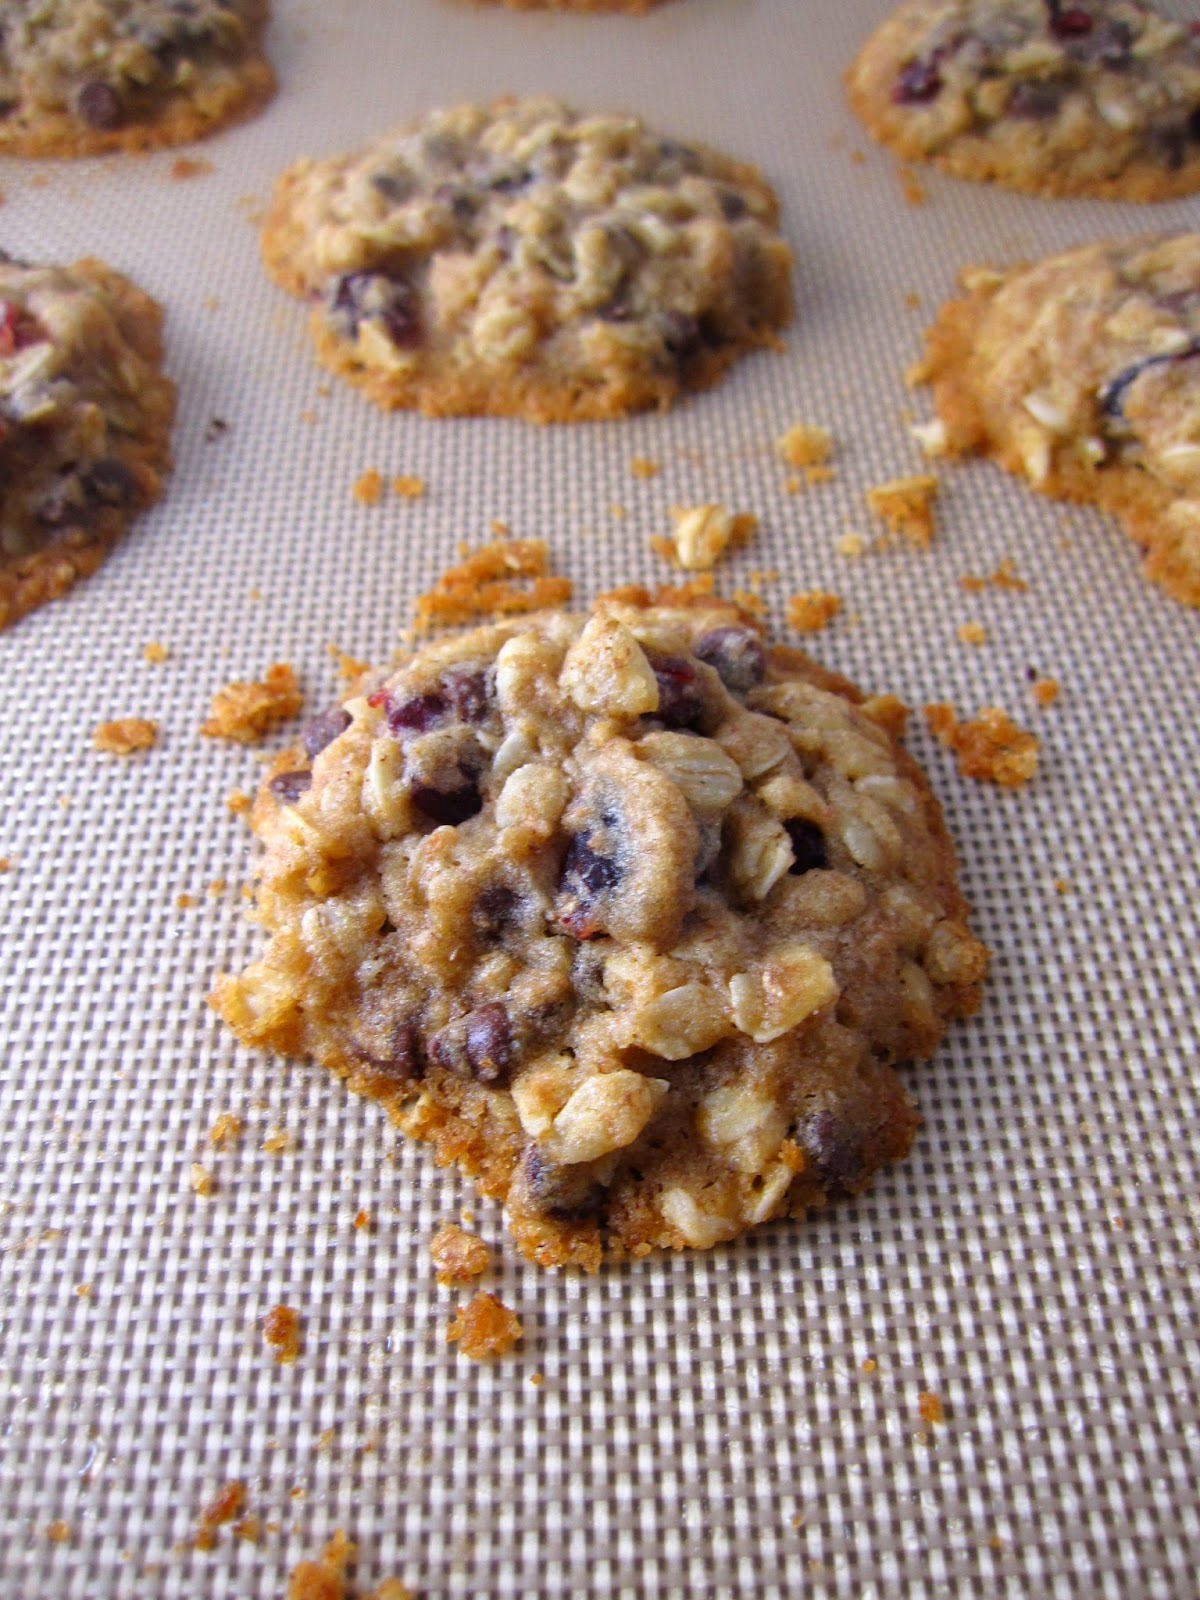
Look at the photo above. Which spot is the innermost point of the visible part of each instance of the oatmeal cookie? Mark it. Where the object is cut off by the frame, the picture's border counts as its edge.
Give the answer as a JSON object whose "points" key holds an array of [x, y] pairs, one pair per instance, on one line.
{"points": [[627, 914], [524, 260], [1097, 98], [85, 419], [1082, 373], [79, 77]]}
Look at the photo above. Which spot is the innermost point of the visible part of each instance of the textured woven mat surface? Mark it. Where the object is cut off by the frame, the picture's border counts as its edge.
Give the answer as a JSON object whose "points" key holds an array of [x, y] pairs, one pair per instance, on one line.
{"points": [[707, 1425]]}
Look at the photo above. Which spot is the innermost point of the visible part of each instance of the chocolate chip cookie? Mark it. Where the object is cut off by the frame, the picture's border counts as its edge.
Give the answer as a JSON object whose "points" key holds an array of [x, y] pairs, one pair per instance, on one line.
{"points": [[85, 419], [525, 260], [78, 77], [1082, 373], [628, 914], [1096, 98]]}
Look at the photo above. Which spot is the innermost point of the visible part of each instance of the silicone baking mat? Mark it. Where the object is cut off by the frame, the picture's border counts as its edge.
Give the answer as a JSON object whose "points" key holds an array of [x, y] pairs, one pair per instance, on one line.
{"points": [[746, 1422]]}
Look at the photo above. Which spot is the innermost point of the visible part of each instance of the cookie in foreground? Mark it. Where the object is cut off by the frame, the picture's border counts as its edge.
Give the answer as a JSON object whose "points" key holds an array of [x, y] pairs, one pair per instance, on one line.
{"points": [[1082, 374], [80, 77], [85, 421], [629, 915], [523, 259], [1097, 98]]}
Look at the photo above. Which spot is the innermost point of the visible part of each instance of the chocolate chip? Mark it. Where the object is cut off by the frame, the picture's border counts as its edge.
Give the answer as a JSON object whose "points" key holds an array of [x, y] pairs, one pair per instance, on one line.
{"points": [[403, 1058], [680, 693], [217, 428], [372, 296], [99, 105], [493, 910], [832, 1148], [564, 1192], [393, 186], [1035, 98], [736, 655], [586, 875], [323, 729], [680, 335], [733, 205], [110, 482], [918, 83], [287, 787], [449, 806], [489, 1042], [808, 845], [417, 714]]}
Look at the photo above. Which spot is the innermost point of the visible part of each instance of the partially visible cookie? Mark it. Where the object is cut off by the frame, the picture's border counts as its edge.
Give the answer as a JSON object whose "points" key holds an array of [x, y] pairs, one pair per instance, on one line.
{"points": [[634, 7], [79, 77], [1097, 98], [85, 420], [1082, 373], [522, 259], [627, 914]]}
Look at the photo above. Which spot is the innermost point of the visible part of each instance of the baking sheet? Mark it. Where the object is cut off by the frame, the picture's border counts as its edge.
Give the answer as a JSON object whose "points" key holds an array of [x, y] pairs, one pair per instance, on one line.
{"points": [[707, 1425]]}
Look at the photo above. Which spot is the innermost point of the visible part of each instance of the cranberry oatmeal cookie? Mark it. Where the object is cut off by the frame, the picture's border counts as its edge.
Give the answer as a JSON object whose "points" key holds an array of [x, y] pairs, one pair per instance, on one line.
{"points": [[78, 77], [1082, 373], [1096, 98], [525, 260], [627, 914], [85, 420]]}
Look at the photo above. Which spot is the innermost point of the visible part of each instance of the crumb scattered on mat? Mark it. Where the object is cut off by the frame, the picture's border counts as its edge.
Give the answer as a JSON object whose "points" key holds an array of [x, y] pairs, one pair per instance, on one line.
{"points": [[704, 533], [408, 487], [641, 467], [1045, 691], [126, 736], [804, 446], [228, 1503], [281, 1330], [326, 1579], [225, 1129], [156, 653], [59, 1532], [485, 1327], [972, 633], [239, 803], [813, 610], [190, 167], [368, 489], [930, 1407], [906, 506], [458, 1255], [505, 578], [990, 747], [1004, 577], [246, 711], [202, 1180]]}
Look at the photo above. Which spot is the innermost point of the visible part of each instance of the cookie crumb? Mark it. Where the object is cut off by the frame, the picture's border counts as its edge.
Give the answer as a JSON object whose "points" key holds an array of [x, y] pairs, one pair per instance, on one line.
{"points": [[869, 1365], [203, 1182], [930, 1407], [851, 545], [1045, 691], [368, 489], [217, 428], [281, 1330], [245, 711], [155, 653], [642, 467], [505, 578], [59, 1532], [972, 633], [248, 1528], [486, 1328], [277, 1140], [126, 736], [83, 1290], [1004, 577], [408, 487], [536, 1379], [324, 1579], [704, 533], [7, 863], [1062, 886], [229, 1502], [804, 446], [906, 506], [239, 802], [813, 610], [911, 187], [362, 1219], [217, 886], [889, 711], [184, 167], [617, 510], [991, 747], [225, 1129], [185, 902], [349, 667], [458, 1255], [912, 300]]}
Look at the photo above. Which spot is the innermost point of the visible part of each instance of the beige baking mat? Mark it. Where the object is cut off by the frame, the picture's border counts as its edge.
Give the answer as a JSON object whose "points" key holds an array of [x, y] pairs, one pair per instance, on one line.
{"points": [[745, 1422]]}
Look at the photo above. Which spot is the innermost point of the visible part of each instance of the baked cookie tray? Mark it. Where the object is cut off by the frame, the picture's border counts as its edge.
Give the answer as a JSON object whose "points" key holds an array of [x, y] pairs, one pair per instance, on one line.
{"points": [[748, 1421]]}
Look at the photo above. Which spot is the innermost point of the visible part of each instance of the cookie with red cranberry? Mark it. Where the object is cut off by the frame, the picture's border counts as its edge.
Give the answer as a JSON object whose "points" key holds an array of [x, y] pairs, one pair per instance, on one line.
{"points": [[79, 77], [1096, 98], [628, 914], [1082, 373], [527, 260], [85, 421]]}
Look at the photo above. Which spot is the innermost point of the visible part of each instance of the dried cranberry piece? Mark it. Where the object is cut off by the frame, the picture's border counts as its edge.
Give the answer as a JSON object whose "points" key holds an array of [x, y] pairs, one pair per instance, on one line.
{"points": [[586, 874], [490, 1043], [323, 729], [467, 694], [736, 655], [110, 482], [918, 83], [680, 692], [287, 787], [99, 105], [18, 330], [416, 715], [361, 296], [1071, 23], [566, 1193], [493, 910], [448, 806], [808, 845]]}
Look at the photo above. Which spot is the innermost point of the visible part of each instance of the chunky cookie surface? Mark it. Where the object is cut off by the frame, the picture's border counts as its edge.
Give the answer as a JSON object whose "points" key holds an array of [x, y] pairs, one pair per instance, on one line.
{"points": [[525, 260], [79, 77], [1097, 98], [1082, 373], [85, 419], [629, 915]]}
